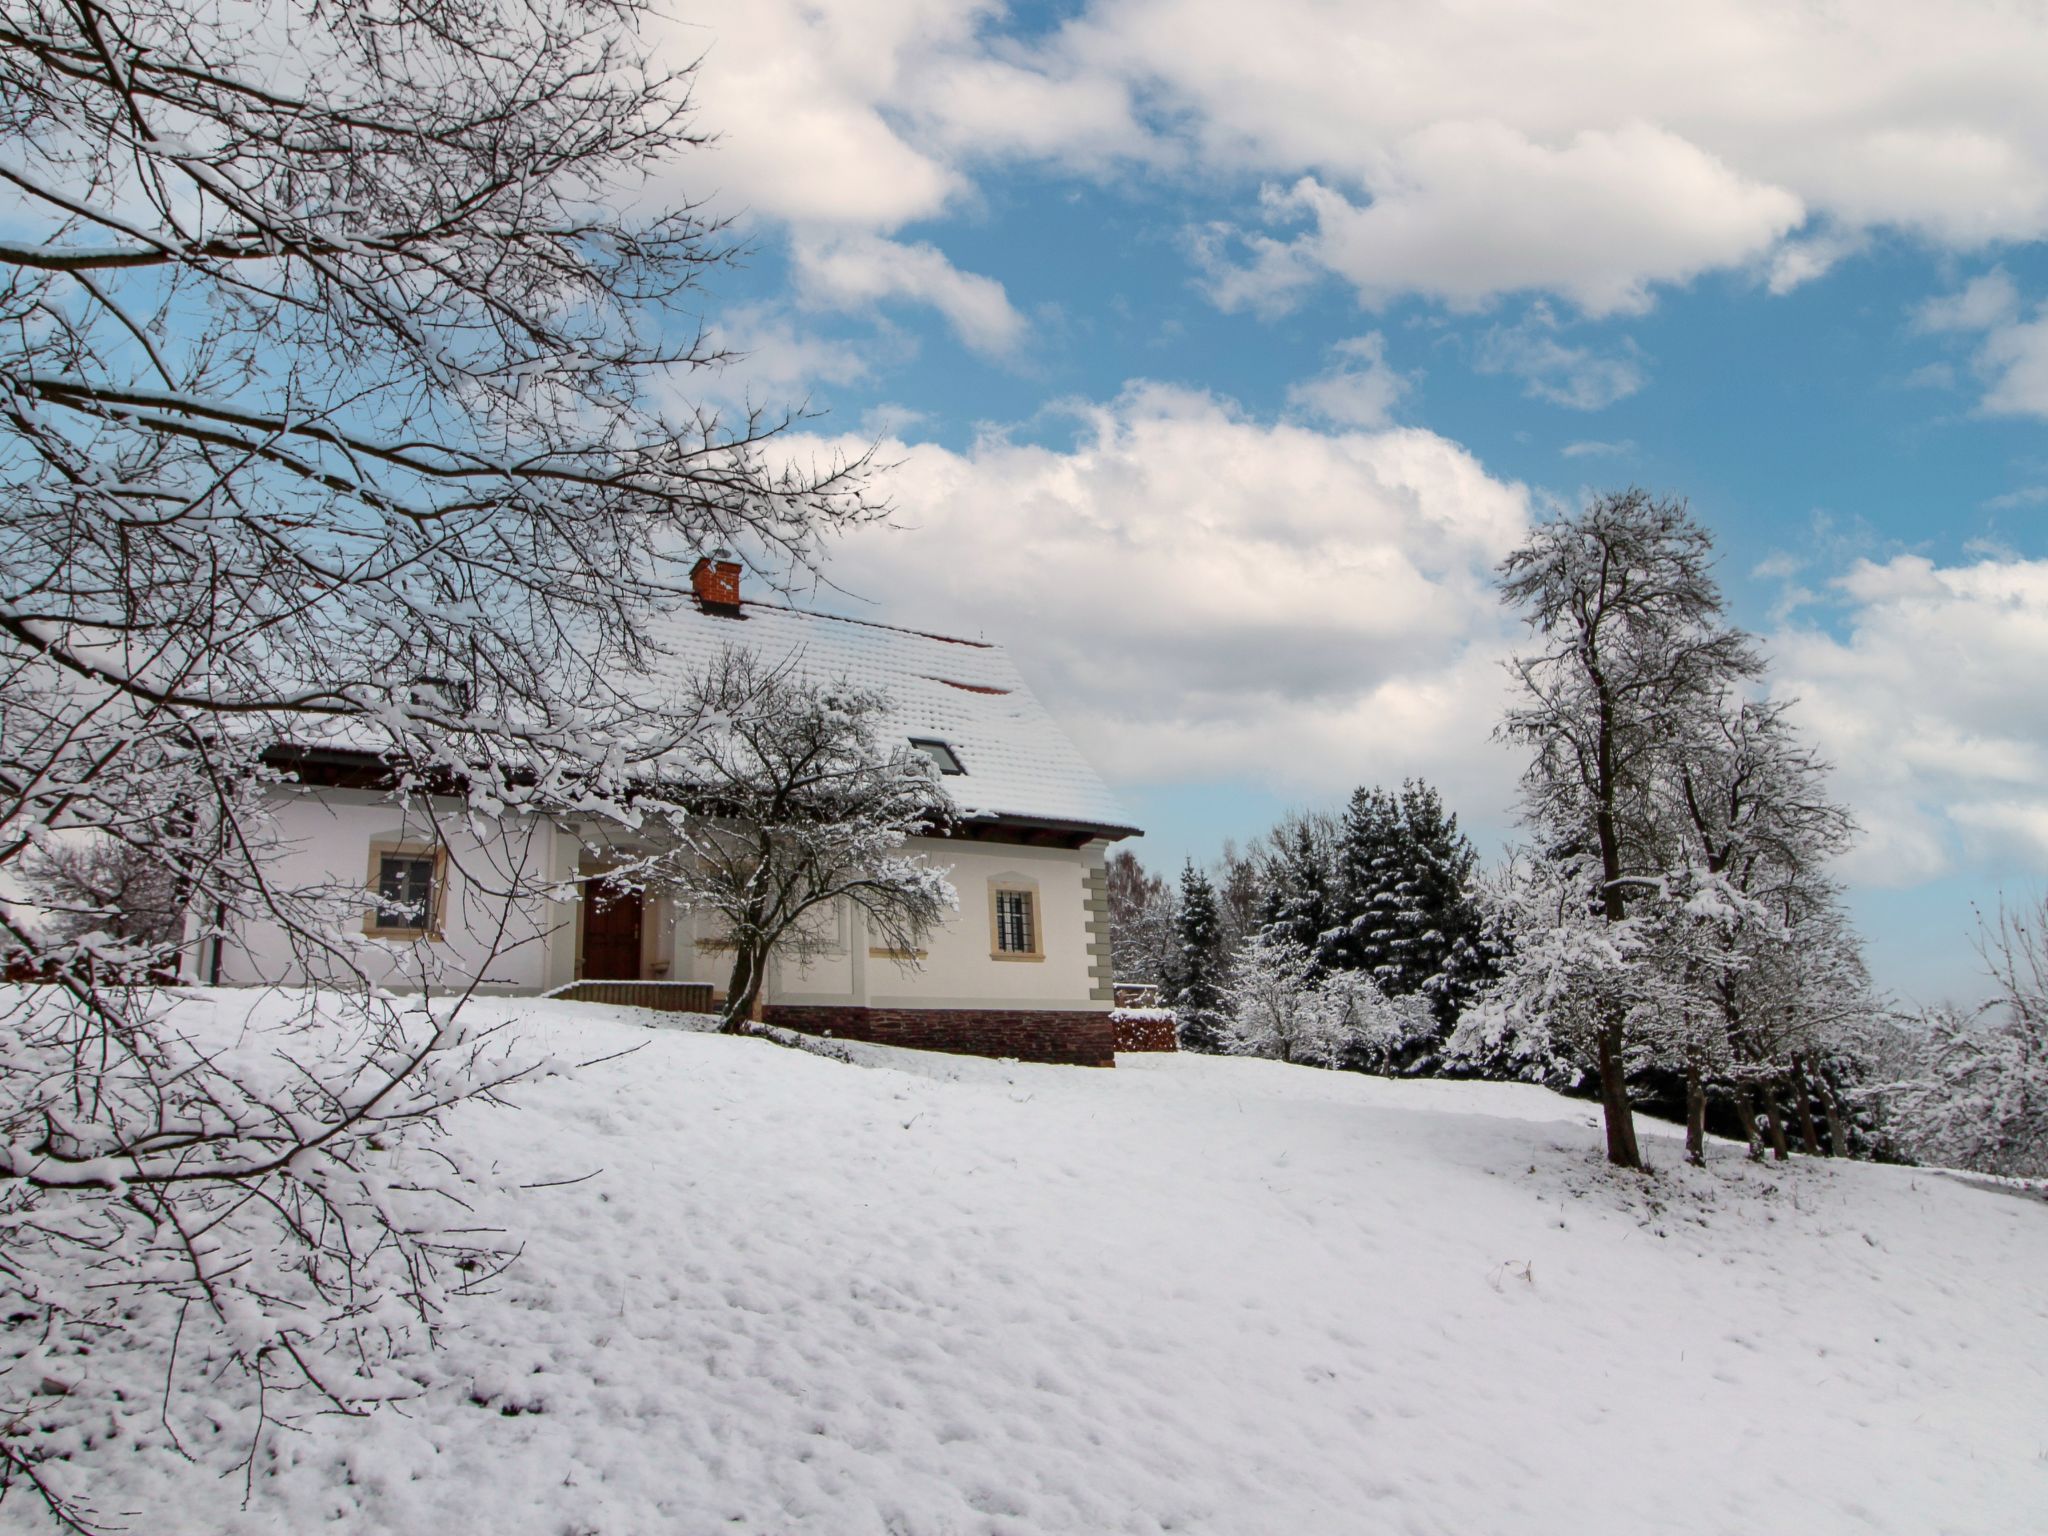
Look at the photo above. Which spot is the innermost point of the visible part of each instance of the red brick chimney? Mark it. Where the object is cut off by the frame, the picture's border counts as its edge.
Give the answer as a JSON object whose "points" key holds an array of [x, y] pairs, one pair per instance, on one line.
{"points": [[716, 581]]}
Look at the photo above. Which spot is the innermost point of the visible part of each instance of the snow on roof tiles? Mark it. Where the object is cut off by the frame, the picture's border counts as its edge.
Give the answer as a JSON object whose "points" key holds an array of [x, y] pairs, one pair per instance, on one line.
{"points": [[967, 693]]}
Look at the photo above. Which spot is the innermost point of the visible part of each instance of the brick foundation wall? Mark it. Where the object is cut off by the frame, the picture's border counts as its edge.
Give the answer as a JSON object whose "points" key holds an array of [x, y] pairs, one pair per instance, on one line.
{"points": [[1070, 1039]]}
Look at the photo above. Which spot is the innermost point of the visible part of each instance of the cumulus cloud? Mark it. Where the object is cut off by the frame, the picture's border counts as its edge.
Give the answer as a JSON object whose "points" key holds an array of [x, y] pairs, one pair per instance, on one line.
{"points": [[1579, 149], [1927, 698], [1620, 147], [853, 271], [1359, 389], [1202, 596], [1463, 211], [1551, 369]]}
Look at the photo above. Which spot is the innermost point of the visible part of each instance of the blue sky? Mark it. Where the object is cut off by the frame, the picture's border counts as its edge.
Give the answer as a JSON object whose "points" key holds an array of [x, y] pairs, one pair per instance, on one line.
{"points": [[1218, 365]]}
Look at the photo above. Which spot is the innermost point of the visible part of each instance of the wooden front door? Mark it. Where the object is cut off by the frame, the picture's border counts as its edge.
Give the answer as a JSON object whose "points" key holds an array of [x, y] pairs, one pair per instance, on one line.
{"points": [[611, 934]]}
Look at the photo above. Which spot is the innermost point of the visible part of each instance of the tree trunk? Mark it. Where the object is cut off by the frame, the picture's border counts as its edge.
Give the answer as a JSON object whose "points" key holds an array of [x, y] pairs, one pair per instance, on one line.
{"points": [[1745, 1106], [1809, 1132], [1621, 1120], [1838, 1129], [1775, 1123], [743, 991], [1695, 1116]]}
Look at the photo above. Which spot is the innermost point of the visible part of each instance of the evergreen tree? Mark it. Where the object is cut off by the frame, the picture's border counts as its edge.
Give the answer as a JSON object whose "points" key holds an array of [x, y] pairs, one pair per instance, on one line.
{"points": [[1195, 987], [1300, 907], [1406, 912], [1368, 864]]}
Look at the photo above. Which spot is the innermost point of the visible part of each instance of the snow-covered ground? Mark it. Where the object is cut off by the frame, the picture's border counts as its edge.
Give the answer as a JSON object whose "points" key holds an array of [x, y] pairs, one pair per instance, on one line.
{"points": [[918, 1295]]}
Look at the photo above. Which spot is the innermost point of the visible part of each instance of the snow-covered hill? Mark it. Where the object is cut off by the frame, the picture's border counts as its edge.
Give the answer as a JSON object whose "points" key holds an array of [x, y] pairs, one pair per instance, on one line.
{"points": [[922, 1295]]}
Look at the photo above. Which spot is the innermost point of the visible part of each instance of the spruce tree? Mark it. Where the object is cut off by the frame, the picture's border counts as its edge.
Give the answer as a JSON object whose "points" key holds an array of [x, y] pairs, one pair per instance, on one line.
{"points": [[1368, 863], [1195, 988], [1406, 915], [1300, 906]]}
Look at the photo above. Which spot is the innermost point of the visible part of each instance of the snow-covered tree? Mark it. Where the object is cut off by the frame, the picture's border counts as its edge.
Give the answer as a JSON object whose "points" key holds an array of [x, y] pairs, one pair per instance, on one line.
{"points": [[1572, 972], [1384, 1033], [1405, 913], [788, 804], [1299, 879], [332, 412], [1142, 915], [1633, 653], [1282, 1006], [1969, 1087], [1275, 1006], [1195, 981], [1240, 891], [1754, 933], [102, 892]]}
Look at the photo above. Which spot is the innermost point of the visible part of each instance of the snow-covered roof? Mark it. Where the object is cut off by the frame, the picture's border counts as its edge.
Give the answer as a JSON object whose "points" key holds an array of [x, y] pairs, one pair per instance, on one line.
{"points": [[967, 693]]}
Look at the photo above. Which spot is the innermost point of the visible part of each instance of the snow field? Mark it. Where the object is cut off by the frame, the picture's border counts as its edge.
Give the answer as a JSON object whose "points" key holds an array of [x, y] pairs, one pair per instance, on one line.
{"points": [[915, 1295]]}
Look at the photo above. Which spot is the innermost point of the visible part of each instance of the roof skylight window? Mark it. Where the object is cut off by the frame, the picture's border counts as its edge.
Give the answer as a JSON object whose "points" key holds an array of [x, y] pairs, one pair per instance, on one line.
{"points": [[939, 752]]}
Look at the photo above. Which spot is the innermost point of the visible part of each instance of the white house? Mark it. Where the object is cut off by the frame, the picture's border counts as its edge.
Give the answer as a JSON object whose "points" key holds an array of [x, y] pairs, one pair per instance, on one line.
{"points": [[1021, 970]]}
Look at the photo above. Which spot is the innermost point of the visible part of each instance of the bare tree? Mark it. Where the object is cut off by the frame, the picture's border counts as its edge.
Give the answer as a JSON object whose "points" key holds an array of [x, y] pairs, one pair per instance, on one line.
{"points": [[1142, 937], [328, 415], [109, 895], [787, 804], [1634, 652]]}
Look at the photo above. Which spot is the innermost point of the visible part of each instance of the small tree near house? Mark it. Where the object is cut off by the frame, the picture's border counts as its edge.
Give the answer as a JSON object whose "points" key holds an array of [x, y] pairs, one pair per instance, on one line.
{"points": [[792, 803]]}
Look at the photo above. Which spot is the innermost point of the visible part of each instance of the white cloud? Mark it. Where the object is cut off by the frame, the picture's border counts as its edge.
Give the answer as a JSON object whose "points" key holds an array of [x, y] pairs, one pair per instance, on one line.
{"points": [[798, 96], [2025, 496], [1269, 280], [2012, 357], [1621, 147], [854, 271], [1988, 300], [1202, 596], [1591, 449], [1929, 703], [776, 360], [1577, 148], [1552, 370], [1798, 262], [2016, 358], [1462, 211], [1359, 389]]}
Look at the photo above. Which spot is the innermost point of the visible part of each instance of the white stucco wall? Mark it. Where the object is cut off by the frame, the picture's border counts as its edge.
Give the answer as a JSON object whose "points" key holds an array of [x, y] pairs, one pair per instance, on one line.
{"points": [[958, 967], [327, 837]]}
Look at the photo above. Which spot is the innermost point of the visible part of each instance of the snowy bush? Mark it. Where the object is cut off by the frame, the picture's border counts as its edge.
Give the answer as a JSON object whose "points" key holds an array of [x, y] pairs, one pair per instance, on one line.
{"points": [[1280, 1006]]}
